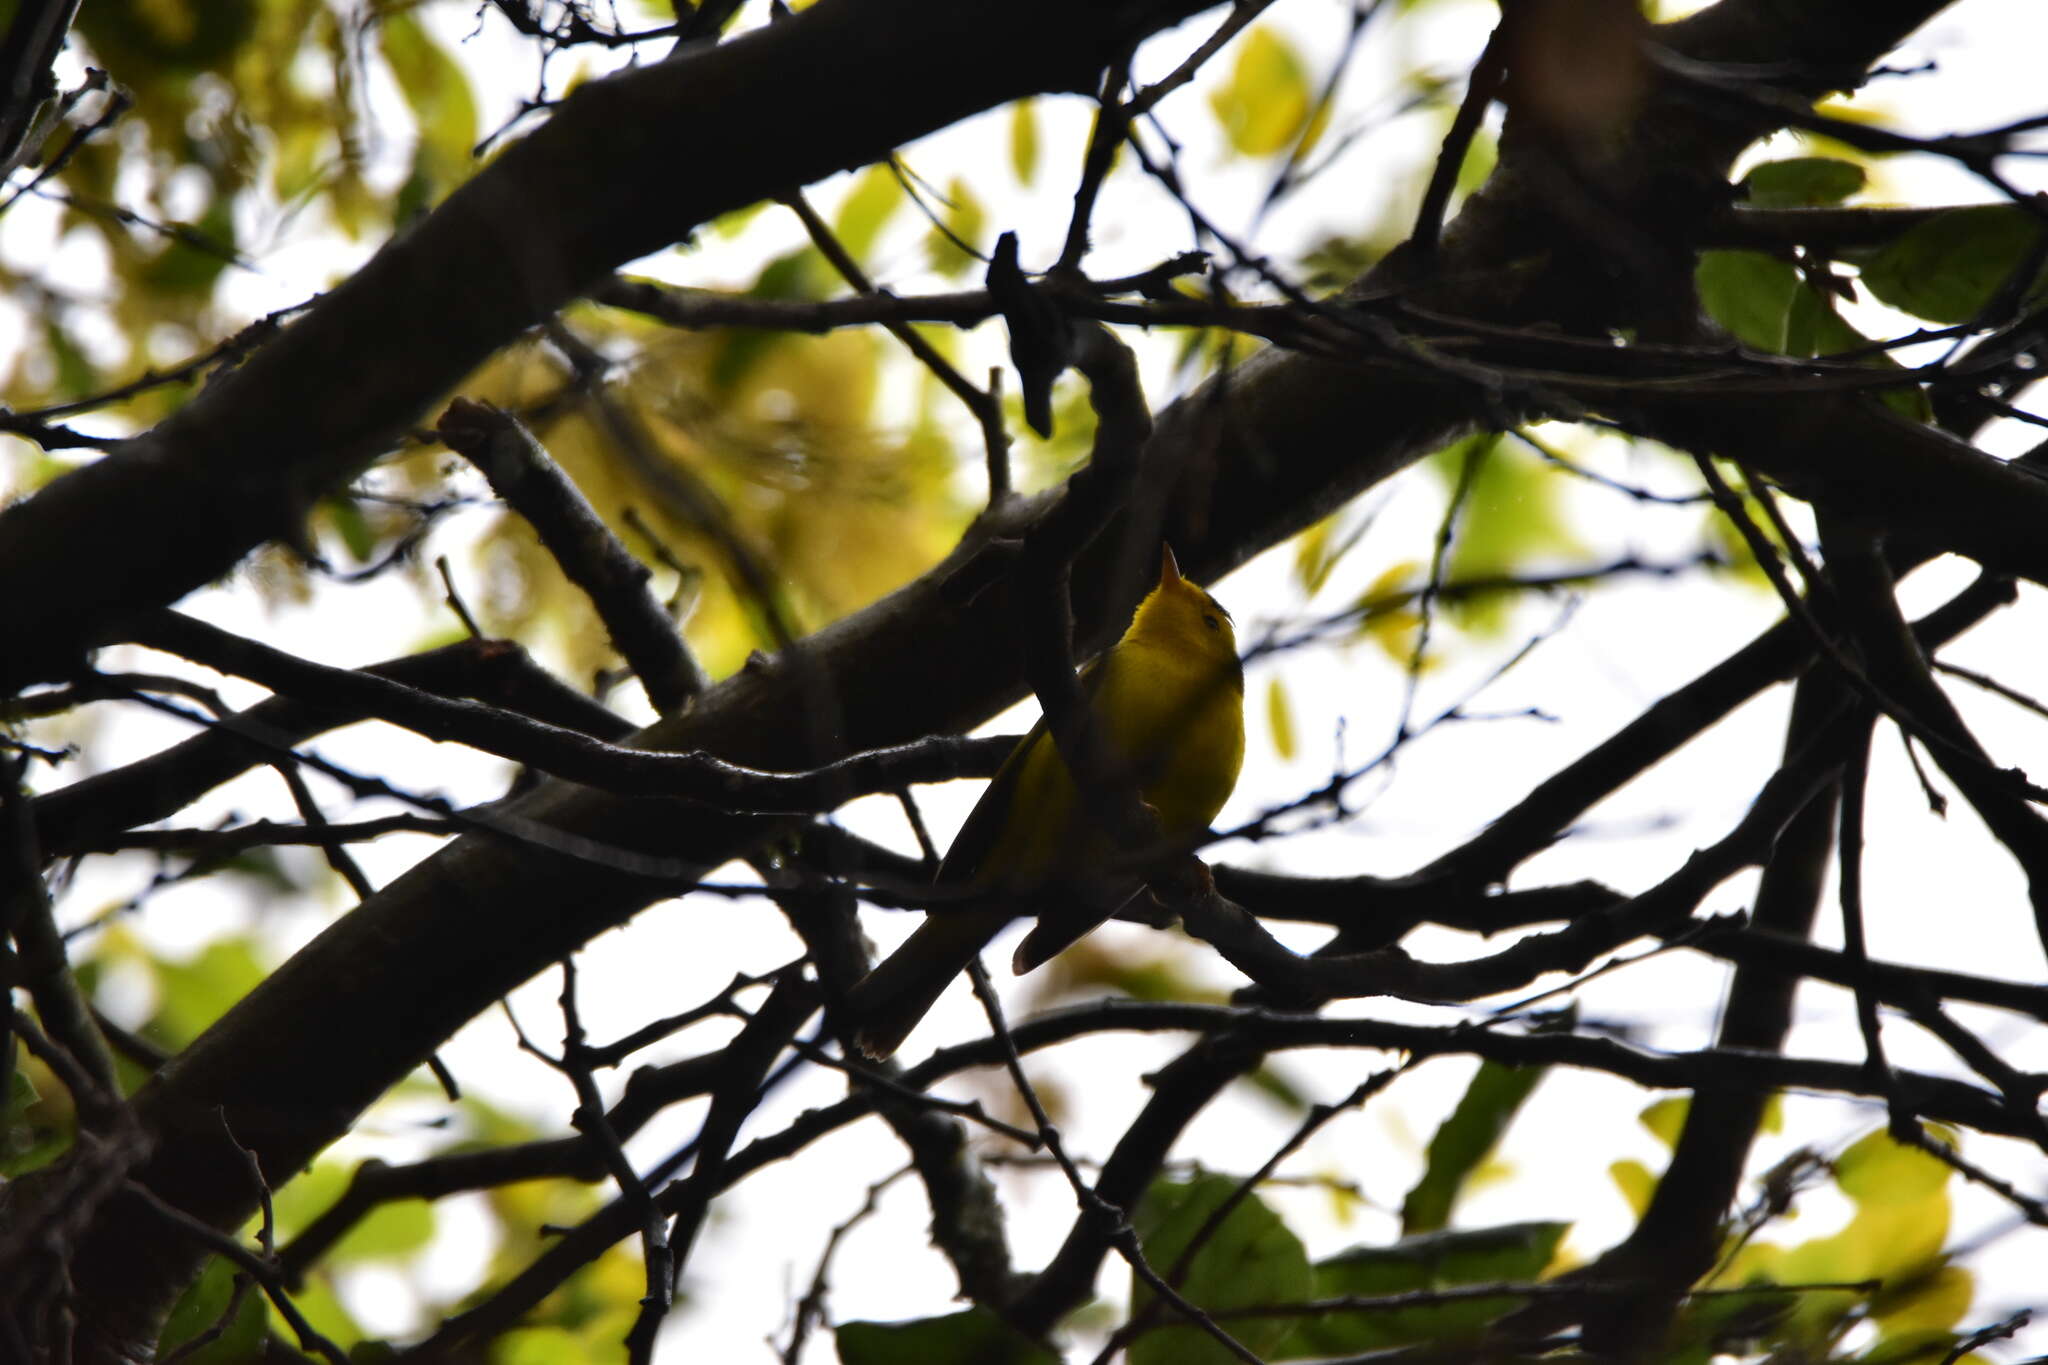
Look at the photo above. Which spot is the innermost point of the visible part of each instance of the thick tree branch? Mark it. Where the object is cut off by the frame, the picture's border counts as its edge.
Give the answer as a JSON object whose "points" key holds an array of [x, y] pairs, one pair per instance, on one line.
{"points": [[595, 187]]}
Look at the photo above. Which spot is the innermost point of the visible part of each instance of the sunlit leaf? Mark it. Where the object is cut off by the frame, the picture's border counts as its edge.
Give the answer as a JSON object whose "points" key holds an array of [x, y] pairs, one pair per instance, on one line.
{"points": [[1324, 545], [391, 1232], [867, 208], [1512, 514], [1264, 103], [1280, 718], [1878, 1169], [536, 1346], [1949, 268], [1024, 140], [193, 994], [1665, 1118], [1769, 306], [952, 245], [1386, 614], [1635, 1181]]}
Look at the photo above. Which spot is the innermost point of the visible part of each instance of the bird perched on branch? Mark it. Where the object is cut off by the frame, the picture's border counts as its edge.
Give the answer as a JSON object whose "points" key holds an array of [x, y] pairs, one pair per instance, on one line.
{"points": [[1167, 705]]}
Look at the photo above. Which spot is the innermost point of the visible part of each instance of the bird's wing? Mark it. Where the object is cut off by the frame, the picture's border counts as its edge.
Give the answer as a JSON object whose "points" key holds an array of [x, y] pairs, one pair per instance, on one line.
{"points": [[985, 823]]}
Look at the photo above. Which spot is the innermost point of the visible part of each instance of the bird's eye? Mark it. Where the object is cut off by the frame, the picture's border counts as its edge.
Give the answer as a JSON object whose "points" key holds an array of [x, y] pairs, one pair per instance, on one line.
{"points": [[1210, 621]]}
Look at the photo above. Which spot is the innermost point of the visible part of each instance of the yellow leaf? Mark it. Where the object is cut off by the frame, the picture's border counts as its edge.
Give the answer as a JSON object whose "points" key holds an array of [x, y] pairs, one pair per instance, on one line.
{"points": [[1666, 1117], [1280, 719], [1880, 1170], [867, 209], [1386, 615], [1933, 1302], [951, 250], [1024, 140], [1635, 1182], [1265, 102]]}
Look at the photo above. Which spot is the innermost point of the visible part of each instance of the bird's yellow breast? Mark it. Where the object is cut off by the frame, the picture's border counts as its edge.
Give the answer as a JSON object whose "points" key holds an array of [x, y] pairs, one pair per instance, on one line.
{"points": [[1179, 724], [1168, 702]]}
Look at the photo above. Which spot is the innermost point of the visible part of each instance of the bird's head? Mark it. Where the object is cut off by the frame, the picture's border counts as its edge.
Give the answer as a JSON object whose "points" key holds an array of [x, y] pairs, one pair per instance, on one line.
{"points": [[1179, 614]]}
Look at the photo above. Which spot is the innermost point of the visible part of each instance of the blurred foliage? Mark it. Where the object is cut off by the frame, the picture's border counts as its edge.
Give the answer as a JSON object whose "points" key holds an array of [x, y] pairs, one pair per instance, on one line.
{"points": [[1464, 1141], [1417, 1264], [1265, 104]]}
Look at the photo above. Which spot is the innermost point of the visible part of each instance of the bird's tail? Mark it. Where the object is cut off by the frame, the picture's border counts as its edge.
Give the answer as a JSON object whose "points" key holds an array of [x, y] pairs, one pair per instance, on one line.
{"points": [[1060, 928], [888, 1002]]}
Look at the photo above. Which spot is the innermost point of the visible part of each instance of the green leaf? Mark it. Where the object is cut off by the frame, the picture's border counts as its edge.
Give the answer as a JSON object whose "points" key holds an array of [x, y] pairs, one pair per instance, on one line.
{"points": [[975, 1337], [346, 516], [1769, 306], [194, 994], [202, 1305], [1512, 514], [30, 1138], [1024, 140], [1435, 1260], [21, 1093], [1803, 182], [1813, 327], [868, 206], [1250, 1258], [1264, 104], [1949, 267], [392, 1232], [306, 1196], [1750, 294], [1280, 718], [799, 274], [1472, 1131], [536, 1346]]}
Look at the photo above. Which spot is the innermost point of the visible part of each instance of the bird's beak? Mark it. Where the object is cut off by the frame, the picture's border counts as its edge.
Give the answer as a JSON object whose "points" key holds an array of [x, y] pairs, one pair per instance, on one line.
{"points": [[1169, 567]]}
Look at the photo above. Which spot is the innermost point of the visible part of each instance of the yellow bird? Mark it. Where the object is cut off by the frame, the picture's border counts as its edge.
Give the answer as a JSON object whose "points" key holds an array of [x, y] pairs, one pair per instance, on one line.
{"points": [[1168, 701]]}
